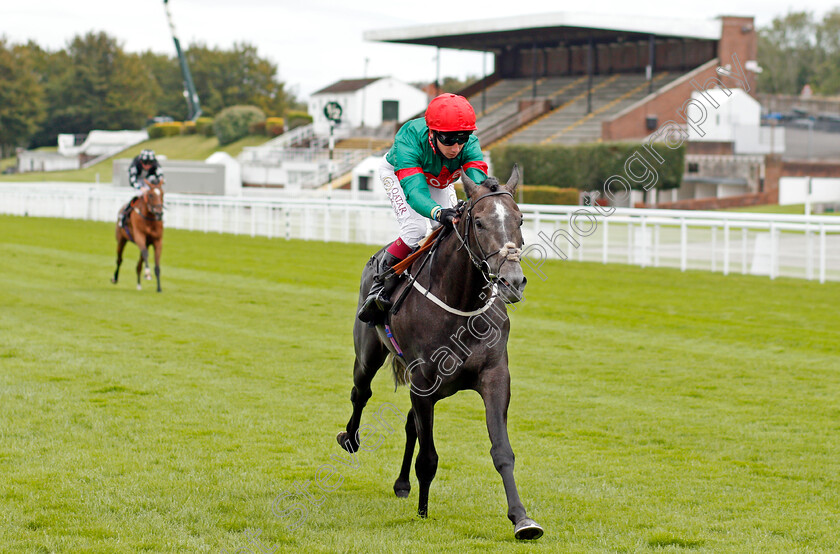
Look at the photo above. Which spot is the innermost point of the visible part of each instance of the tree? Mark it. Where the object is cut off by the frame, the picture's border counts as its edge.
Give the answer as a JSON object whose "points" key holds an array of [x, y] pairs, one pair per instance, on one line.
{"points": [[166, 72], [94, 84], [237, 77], [21, 98], [827, 79], [787, 52]]}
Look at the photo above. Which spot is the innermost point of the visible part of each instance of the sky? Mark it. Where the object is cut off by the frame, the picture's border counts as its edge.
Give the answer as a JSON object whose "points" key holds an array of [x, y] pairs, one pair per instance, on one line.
{"points": [[317, 42]]}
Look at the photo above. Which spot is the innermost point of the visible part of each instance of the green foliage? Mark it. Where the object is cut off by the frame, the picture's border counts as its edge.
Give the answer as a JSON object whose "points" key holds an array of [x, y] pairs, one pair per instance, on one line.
{"points": [[167, 129], [165, 72], [233, 123], [542, 194], [21, 98], [257, 128], [796, 49], [204, 126], [587, 166], [297, 118], [274, 126], [94, 84], [236, 77]]}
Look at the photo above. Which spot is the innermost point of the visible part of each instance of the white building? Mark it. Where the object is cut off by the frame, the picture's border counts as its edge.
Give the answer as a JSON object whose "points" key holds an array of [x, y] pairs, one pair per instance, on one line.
{"points": [[367, 103], [98, 146], [736, 119]]}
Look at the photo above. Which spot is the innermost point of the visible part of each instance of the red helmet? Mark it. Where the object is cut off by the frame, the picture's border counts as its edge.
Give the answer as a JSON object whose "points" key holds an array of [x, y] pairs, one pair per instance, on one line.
{"points": [[450, 112]]}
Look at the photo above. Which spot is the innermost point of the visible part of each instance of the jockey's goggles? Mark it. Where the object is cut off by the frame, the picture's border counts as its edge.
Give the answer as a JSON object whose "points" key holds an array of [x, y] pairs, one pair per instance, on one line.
{"points": [[452, 138]]}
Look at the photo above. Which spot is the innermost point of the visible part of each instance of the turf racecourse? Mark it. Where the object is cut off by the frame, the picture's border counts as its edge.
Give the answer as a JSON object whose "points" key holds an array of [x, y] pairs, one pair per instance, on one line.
{"points": [[651, 409]]}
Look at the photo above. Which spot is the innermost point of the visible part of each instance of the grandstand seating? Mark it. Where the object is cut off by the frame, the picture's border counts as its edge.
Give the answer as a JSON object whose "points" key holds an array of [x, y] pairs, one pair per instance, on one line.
{"points": [[568, 121]]}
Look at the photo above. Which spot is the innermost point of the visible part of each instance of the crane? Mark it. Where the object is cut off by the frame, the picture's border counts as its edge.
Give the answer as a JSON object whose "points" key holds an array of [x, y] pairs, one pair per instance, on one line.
{"points": [[193, 105]]}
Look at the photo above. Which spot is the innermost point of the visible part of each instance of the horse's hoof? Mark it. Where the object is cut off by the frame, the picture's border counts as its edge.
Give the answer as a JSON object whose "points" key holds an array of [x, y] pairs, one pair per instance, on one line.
{"points": [[344, 440], [527, 530], [139, 287], [113, 281], [401, 489]]}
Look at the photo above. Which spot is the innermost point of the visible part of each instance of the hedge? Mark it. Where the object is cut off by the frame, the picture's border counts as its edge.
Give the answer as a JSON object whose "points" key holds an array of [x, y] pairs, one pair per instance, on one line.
{"points": [[297, 119], [536, 194], [168, 129], [232, 123], [588, 166], [274, 126], [543, 194], [204, 126]]}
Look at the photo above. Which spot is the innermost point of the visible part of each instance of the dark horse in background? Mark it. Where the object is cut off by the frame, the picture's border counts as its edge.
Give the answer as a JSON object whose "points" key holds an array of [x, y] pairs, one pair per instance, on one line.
{"points": [[453, 330], [144, 227]]}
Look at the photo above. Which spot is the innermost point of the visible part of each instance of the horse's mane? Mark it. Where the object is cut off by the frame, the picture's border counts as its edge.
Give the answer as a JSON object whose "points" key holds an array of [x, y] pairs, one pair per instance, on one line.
{"points": [[491, 183]]}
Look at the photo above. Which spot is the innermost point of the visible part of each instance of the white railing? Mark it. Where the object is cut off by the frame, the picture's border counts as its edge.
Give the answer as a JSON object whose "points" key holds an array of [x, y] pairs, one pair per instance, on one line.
{"points": [[759, 244]]}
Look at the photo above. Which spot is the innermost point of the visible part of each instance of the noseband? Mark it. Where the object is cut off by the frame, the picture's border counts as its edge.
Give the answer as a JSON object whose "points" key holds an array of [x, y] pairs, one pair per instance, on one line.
{"points": [[156, 216], [480, 262]]}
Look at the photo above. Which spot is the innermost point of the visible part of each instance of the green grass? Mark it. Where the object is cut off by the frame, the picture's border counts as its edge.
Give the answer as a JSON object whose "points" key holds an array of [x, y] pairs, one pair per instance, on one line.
{"points": [[7, 162], [651, 409], [793, 209], [186, 147]]}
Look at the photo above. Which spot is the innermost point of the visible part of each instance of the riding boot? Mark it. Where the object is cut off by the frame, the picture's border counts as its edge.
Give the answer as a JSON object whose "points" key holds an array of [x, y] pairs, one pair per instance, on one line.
{"points": [[127, 211], [378, 300]]}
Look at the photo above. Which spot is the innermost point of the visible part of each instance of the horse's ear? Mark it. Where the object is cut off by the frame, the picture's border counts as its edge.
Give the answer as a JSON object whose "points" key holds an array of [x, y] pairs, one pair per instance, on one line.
{"points": [[469, 185], [514, 179]]}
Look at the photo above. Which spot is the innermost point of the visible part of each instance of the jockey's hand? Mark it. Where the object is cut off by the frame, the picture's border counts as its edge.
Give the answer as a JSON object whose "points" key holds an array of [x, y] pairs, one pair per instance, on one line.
{"points": [[447, 216]]}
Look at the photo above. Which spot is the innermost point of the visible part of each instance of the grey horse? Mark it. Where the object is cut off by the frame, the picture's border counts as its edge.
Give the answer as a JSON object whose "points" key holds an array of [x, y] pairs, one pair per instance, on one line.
{"points": [[452, 328]]}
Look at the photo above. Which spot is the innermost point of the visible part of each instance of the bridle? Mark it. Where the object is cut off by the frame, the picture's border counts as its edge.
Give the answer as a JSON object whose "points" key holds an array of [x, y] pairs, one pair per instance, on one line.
{"points": [[481, 262], [508, 251], [157, 214]]}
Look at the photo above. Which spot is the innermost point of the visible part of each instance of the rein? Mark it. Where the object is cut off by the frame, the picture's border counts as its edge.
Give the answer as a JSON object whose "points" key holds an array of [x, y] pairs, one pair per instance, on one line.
{"points": [[154, 216], [509, 251]]}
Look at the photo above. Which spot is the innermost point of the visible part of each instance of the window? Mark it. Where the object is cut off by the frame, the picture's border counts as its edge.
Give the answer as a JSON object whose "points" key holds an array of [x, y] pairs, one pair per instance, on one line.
{"points": [[364, 182]]}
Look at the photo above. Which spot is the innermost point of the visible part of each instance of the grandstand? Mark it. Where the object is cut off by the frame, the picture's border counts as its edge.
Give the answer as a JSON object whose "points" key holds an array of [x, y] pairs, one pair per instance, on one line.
{"points": [[568, 78]]}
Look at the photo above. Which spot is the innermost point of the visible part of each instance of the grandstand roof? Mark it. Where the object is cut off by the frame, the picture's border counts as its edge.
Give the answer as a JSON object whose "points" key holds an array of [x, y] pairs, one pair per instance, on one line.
{"points": [[546, 29]]}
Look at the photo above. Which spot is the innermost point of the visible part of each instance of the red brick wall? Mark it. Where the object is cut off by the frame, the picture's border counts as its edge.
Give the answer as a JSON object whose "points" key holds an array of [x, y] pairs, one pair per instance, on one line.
{"points": [[710, 148], [738, 36], [774, 169], [758, 199], [664, 104]]}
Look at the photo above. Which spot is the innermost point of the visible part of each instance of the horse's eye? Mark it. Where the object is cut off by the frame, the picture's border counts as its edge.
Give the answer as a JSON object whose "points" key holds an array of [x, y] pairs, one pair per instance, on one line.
{"points": [[521, 221], [478, 224]]}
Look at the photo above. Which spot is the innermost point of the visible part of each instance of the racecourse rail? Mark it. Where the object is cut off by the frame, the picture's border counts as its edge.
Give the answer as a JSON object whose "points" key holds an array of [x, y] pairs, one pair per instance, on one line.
{"points": [[774, 245]]}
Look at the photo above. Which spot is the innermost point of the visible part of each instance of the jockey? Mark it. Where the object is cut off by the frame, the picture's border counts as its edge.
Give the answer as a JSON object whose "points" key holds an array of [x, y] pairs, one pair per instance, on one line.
{"points": [[144, 166], [418, 173]]}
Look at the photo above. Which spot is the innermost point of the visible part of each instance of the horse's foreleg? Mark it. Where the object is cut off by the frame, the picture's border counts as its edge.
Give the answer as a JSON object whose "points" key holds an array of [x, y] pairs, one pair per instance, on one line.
{"points": [[361, 393], [140, 241], [495, 391], [158, 245], [120, 246], [403, 485], [427, 459]]}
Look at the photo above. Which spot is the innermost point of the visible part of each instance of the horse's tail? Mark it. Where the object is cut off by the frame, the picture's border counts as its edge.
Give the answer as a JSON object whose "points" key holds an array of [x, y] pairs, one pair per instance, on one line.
{"points": [[398, 369]]}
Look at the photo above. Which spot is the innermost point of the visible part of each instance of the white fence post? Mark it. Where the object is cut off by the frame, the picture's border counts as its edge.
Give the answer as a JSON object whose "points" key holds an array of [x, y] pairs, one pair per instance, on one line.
{"points": [[807, 242], [726, 247], [822, 253]]}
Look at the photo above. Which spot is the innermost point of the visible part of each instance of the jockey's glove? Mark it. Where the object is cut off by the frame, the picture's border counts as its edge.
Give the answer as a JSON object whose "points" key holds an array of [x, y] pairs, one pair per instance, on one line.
{"points": [[447, 216]]}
